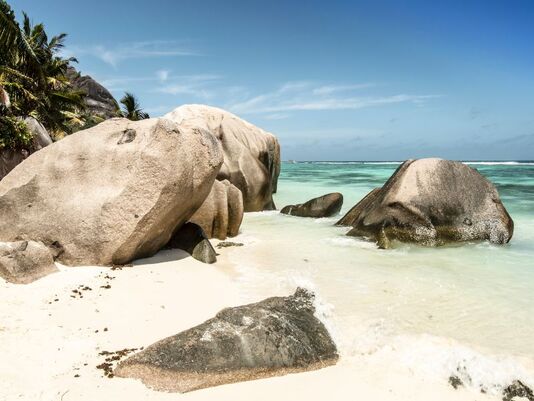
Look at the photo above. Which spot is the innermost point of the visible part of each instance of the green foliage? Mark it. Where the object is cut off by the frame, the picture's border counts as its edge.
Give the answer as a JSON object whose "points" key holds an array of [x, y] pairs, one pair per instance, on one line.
{"points": [[131, 108], [14, 133], [34, 75]]}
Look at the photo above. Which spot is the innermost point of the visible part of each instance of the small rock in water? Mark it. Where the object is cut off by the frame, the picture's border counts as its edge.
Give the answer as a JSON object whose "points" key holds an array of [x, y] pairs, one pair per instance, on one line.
{"points": [[226, 244], [517, 389], [323, 206]]}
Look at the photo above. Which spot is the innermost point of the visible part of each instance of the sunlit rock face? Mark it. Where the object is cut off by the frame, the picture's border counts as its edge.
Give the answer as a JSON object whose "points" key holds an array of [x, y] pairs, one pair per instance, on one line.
{"points": [[251, 155], [112, 193], [221, 214]]}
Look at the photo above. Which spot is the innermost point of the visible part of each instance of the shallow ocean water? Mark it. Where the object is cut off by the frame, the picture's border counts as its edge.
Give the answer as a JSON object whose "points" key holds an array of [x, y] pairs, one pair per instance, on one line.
{"points": [[438, 308]]}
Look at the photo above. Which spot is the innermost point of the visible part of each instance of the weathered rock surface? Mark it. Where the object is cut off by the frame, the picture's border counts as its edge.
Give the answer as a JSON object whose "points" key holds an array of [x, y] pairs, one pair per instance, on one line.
{"points": [[270, 338], [323, 206], [4, 98], [518, 390], [431, 202], [22, 262], [251, 155], [192, 239], [221, 214], [41, 138], [99, 101], [112, 193], [9, 158]]}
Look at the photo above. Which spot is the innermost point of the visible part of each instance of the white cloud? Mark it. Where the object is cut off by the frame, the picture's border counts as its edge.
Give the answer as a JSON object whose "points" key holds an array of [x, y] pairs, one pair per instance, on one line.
{"points": [[163, 75], [302, 96], [276, 116], [194, 85], [114, 55], [328, 89]]}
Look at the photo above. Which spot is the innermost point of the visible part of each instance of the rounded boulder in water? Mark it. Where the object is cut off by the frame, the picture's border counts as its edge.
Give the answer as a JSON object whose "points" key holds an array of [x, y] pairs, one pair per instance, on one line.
{"points": [[432, 202]]}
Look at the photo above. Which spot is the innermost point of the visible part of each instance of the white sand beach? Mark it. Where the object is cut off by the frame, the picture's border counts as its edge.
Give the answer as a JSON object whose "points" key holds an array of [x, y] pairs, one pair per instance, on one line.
{"points": [[50, 337]]}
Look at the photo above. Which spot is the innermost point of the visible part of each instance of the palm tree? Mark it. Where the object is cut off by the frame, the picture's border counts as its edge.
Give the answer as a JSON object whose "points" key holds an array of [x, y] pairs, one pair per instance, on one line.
{"points": [[34, 74], [131, 108]]}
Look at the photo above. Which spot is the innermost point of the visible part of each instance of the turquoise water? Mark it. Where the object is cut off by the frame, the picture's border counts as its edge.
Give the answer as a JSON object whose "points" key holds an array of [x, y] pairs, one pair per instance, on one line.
{"points": [[477, 296]]}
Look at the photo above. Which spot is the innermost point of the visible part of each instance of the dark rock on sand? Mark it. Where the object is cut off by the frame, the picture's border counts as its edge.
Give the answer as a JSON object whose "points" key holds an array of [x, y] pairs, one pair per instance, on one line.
{"points": [[192, 239], [323, 206], [431, 202], [517, 389], [227, 244], [22, 262], [270, 338]]}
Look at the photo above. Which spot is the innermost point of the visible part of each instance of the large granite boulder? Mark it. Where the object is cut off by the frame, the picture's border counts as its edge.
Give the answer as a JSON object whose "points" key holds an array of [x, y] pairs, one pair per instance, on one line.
{"points": [[221, 213], [270, 338], [98, 100], [431, 202], [251, 155], [111, 193], [22, 262], [323, 206], [191, 238], [9, 158]]}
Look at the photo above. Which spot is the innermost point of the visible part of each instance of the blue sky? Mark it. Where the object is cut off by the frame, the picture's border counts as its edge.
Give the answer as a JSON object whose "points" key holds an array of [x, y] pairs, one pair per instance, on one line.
{"points": [[334, 80]]}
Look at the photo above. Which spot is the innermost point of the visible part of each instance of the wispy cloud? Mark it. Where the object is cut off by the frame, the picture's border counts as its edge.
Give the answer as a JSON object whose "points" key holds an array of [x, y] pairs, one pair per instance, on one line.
{"points": [[302, 96], [195, 85], [329, 89], [114, 55], [164, 81]]}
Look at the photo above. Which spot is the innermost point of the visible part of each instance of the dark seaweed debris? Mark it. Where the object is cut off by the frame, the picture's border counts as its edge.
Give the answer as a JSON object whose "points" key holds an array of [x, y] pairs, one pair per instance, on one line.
{"points": [[455, 382], [112, 358]]}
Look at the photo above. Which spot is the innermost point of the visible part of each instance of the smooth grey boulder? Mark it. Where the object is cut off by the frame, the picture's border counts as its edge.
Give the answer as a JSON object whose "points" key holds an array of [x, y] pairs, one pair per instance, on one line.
{"points": [[192, 239], [431, 202], [10, 158], [273, 337], [251, 155], [324, 206], [221, 214], [112, 193], [41, 137], [22, 262]]}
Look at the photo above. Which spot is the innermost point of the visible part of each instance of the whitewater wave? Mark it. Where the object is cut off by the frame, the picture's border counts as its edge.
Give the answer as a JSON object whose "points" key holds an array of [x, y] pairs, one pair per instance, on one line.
{"points": [[431, 356], [483, 163], [434, 358], [509, 163]]}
